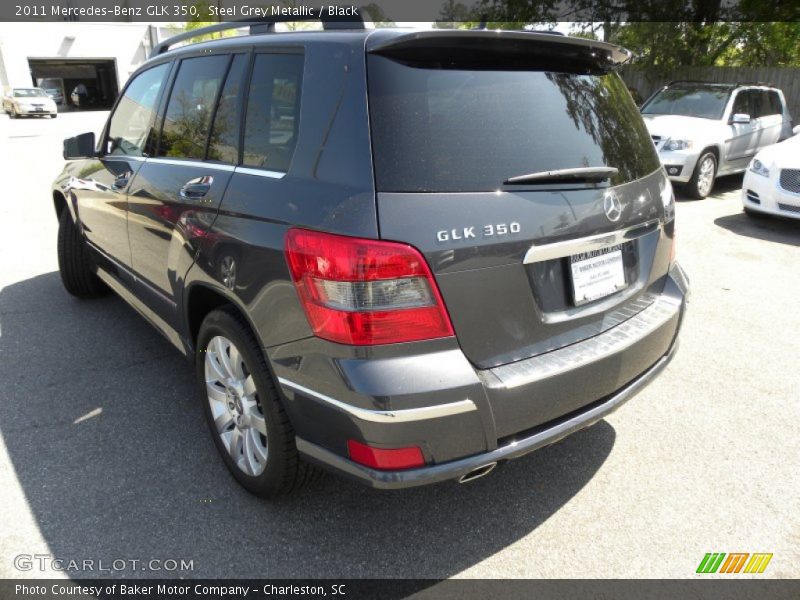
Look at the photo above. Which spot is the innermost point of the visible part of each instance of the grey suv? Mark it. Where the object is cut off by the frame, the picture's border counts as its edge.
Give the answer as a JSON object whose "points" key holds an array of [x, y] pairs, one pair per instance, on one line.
{"points": [[403, 256]]}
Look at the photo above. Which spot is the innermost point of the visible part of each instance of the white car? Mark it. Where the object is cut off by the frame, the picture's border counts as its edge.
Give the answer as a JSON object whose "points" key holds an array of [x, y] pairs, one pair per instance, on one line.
{"points": [[21, 102], [772, 182], [706, 130]]}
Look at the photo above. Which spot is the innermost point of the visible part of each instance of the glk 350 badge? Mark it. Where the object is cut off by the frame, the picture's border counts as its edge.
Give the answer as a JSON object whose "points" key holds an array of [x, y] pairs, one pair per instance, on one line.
{"points": [[485, 231]]}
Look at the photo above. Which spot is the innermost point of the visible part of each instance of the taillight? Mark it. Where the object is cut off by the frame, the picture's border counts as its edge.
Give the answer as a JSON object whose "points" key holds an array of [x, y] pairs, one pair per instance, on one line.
{"points": [[364, 292], [385, 458]]}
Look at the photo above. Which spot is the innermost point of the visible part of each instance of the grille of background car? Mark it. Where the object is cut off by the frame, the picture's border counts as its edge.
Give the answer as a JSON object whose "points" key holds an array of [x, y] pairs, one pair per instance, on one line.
{"points": [[790, 180]]}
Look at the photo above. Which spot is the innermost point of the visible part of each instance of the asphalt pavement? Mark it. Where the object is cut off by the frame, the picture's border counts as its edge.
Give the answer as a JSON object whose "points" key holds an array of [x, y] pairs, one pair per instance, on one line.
{"points": [[104, 454]]}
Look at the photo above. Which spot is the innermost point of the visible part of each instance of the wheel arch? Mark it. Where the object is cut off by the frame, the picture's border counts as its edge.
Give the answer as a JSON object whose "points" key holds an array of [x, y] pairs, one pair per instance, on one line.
{"points": [[201, 298], [715, 150], [59, 203], [64, 201]]}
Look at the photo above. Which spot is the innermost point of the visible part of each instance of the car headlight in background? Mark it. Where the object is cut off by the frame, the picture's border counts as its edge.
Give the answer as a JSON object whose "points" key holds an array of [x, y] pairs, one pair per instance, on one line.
{"points": [[759, 168], [672, 145]]}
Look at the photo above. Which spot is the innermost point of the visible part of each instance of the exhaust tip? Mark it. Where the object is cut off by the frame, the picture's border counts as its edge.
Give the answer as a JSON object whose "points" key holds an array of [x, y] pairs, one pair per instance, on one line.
{"points": [[477, 473]]}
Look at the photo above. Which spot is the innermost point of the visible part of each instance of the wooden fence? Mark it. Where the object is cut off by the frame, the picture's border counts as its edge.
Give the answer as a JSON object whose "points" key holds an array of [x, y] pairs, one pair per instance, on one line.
{"points": [[785, 78]]}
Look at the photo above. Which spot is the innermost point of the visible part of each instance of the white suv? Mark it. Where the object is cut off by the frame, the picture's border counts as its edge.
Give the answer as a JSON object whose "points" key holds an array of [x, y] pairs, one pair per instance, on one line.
{"points": [[705, 130]]}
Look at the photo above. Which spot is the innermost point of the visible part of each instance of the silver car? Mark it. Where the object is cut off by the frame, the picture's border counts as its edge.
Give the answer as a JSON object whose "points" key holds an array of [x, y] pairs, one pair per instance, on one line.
{"points": [[33, 101], [706, 130]]}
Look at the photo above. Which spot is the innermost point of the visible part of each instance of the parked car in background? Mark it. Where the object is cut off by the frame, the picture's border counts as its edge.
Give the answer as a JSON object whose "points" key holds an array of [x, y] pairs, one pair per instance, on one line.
{"points": [[706, 130], [29, 102], [55, 94], [393, 254], [772, 182], [53, 87]]}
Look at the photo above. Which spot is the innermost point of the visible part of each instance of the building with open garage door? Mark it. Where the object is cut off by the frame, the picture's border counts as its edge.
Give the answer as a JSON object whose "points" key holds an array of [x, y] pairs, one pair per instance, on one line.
{"points": [[82, 66]]}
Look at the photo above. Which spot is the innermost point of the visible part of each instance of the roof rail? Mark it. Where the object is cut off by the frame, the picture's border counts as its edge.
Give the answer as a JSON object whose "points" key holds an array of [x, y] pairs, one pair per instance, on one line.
{"points": [[697, 81], [761, 83], [260, 25]]}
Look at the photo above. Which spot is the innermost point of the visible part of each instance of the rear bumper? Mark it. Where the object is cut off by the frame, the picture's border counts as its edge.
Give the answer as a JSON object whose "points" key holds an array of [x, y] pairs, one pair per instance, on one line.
{"points": [[544, 436], [463, 418]]}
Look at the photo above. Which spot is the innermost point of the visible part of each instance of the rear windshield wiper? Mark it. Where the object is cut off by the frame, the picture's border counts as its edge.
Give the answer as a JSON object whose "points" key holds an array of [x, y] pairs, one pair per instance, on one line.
{"points": [[577, 174]]}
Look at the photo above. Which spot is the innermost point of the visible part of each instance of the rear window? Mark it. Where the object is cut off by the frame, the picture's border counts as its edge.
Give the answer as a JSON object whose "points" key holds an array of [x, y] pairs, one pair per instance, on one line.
{"points": [[452, 130]]}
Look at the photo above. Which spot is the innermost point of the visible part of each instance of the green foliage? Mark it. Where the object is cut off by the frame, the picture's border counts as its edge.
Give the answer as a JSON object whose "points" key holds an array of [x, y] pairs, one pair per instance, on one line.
{"points": [[662, 35], [662, 46]]}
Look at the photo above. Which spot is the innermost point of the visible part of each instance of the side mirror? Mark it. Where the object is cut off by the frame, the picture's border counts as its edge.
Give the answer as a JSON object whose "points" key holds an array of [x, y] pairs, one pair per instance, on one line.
{"points": [[740, 118], [80, 146], [796, 130]]}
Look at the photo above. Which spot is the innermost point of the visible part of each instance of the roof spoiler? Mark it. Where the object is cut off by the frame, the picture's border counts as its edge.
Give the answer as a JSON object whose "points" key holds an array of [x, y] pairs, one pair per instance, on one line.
{"points": [[519, 49], [257, 26]]}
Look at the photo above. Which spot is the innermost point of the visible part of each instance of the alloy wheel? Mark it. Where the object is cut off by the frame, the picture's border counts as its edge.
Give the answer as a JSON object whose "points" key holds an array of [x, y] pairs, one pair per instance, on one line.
{"points": [[235, 407], [705, 178]]}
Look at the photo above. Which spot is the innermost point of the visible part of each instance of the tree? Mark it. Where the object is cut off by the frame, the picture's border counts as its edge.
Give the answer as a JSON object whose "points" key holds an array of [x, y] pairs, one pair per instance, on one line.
{"points": [[662, 35]]}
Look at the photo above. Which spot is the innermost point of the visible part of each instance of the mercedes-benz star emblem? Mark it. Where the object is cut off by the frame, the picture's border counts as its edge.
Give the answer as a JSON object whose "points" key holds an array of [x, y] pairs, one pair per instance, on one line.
{"points": [[612, 206]]}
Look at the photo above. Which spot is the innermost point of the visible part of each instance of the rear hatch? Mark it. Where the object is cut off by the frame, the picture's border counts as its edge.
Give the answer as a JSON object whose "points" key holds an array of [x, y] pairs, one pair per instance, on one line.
{"points": [[467, 131]]}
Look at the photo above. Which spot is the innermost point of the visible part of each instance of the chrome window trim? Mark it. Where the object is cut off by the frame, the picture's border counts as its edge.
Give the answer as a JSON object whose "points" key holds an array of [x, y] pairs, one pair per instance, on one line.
{"points": [[200, 164], [588, 244], [260, 172], [123, 157], [387, 416]]}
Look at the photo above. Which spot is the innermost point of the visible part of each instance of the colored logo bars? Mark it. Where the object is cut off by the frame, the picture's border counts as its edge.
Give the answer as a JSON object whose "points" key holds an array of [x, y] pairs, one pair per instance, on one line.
{"points": [[716, 562]]}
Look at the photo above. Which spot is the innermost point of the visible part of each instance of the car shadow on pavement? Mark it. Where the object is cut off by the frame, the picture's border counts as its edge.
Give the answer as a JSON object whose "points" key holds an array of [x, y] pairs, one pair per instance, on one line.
{"points": [[762, 227], [106, 436]]}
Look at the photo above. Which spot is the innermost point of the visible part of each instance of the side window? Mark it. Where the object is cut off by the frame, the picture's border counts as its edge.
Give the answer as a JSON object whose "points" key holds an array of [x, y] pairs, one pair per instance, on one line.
{"points": [[758, 99], [772, 104], [191, 102], [223, 144], [273, 111], [129, 132], [741, 103]]}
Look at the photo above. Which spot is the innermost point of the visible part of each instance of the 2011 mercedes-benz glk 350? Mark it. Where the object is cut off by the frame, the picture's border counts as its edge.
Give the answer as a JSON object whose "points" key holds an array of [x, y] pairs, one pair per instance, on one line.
{"points": [[403, 256]]}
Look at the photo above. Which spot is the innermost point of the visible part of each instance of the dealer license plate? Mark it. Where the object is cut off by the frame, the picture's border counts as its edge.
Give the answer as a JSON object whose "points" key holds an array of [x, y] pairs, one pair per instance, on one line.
{"points": [[597, 274]]}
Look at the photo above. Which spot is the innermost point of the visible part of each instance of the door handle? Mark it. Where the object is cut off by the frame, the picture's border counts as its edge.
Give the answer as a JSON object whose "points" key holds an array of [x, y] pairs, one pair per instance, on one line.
{"points": [[121, 181], [196, 188]]}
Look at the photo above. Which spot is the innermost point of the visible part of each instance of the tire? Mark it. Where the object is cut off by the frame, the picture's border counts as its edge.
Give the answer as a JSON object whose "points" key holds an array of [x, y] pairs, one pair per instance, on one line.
{"points": [[53, 116], [702, 181], [239, 412], [74, 261], [12, 114]]}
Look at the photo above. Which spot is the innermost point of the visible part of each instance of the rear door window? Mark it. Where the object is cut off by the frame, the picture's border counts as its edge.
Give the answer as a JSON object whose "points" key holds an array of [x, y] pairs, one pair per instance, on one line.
{"points": [[447, 129], [223, 145], [770, 104], [189, 110], [272, 119]]}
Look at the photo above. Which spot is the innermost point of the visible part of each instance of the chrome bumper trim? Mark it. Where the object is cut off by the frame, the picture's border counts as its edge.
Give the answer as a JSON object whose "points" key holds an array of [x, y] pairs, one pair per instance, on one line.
{"points": [[597, 348], [454, 469], [588, 244], [386, 416]]}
